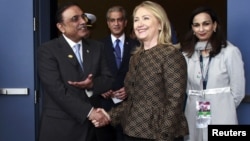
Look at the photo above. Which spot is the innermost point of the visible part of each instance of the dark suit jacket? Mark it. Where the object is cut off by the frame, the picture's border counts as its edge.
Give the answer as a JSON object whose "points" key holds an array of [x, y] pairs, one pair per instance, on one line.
{"points": [[65, 108], [118, 74]]}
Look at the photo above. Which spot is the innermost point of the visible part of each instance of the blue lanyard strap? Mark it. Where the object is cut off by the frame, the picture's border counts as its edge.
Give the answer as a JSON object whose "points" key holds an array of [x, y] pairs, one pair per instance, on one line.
{"points": [[204, 79]]}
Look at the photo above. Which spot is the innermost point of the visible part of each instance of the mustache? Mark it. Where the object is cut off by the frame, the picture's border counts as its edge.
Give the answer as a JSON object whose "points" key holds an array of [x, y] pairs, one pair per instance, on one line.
{"points": [[84, 26]]}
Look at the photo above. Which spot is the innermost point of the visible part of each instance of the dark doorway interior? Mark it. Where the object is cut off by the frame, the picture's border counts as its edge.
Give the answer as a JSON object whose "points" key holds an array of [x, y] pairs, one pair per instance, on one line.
{"points": [[178, 12]]}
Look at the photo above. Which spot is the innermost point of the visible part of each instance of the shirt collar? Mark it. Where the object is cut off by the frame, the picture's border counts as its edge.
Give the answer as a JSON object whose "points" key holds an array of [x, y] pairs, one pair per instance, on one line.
{"points": [[70, 42], [121, 38]]}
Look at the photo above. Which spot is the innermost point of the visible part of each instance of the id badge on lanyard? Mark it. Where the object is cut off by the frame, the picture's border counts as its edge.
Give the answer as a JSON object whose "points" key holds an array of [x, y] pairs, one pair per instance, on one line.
{"points": [[203, 106], [203, 113]]}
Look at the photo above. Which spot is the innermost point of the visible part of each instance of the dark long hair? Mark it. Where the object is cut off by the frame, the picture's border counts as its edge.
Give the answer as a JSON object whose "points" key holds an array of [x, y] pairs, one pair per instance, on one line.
{"points": [[217, 40]]}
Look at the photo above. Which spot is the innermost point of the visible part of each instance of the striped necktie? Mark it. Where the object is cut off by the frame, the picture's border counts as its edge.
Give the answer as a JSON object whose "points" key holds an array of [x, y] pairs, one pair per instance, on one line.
{"points": [[118, 53], [78, 55]]}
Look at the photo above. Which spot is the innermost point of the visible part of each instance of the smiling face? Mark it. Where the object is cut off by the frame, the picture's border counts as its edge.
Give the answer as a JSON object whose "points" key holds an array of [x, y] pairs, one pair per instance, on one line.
{"points": [[73, 23], [203, 26], [116, 23], [146, 26]]}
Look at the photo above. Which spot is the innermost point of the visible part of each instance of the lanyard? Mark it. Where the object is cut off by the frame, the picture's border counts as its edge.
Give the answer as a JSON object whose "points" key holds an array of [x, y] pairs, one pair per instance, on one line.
{"points": [[204, 78]]}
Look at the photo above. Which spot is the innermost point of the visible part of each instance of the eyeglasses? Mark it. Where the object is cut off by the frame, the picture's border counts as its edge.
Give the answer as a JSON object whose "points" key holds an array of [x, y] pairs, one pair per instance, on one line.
{"points": [[76, 18]]}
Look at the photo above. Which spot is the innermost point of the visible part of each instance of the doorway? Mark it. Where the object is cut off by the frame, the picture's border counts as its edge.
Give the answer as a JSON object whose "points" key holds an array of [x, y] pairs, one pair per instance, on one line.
{"points": [[178, 12]]}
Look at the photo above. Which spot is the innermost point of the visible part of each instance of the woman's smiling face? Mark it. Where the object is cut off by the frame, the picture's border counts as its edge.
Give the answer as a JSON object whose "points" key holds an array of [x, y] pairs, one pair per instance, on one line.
{"points": [[146, 26], [203, 26]]}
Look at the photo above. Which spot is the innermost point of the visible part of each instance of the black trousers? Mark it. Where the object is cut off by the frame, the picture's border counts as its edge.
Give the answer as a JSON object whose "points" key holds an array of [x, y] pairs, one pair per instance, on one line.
{"points": [[106, 133]]}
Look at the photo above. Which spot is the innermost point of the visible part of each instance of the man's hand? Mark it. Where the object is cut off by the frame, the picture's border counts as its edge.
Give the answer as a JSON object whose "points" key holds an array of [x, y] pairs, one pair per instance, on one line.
{"points": [[99, 117], [107, 94], [120, 94], [86, 84]]}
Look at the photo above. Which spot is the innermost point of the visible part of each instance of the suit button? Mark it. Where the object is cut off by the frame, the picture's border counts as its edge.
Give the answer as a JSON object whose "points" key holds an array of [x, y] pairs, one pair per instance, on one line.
{"points": [[133, 84]]}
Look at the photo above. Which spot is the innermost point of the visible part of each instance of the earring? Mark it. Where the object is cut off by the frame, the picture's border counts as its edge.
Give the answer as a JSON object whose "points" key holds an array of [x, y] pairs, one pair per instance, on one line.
{"points": [[194, 33], [214, 30]]}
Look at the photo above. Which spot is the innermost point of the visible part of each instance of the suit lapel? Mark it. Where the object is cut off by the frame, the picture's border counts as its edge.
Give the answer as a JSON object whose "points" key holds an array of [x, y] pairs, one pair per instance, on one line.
{"points": [[126, 52], [88, 53], [68, 52], [111, 56]]}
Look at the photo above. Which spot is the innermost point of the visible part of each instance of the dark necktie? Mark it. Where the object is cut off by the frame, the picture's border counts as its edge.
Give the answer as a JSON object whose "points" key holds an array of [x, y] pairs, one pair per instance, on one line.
{"points": [[78, 55], [118, 53]]}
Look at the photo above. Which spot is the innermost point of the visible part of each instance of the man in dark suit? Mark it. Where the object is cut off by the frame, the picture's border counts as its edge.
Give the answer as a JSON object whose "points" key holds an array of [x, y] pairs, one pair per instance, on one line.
{"points": [[116, 21], [70, 84]]}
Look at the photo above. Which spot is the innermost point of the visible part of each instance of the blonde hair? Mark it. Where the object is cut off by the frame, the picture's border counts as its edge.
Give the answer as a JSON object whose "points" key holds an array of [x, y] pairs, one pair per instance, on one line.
{"points": [[160, 14]]}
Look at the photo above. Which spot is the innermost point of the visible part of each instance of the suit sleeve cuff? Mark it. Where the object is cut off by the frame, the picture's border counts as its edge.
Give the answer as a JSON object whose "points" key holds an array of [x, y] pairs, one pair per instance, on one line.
{"points": [[89, 92], [90, 112]]}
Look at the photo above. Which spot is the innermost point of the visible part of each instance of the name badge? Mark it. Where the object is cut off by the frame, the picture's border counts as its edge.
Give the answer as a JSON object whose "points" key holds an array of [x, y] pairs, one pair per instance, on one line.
{"points": [[203, 110]]}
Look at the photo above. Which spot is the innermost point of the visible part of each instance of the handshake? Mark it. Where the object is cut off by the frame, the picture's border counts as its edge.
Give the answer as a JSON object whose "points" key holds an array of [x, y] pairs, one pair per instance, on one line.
{"points": [[99, 117]]}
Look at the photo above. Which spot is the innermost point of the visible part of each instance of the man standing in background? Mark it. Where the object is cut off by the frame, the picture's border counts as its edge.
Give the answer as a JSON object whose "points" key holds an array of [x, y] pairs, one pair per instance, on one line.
{"points": [[91, 20], [117, 48]]}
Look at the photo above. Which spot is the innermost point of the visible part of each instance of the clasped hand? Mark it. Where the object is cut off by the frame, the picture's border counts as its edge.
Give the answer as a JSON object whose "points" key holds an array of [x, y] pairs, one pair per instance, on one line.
{"points": [[120, 94], [99, 117]]}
